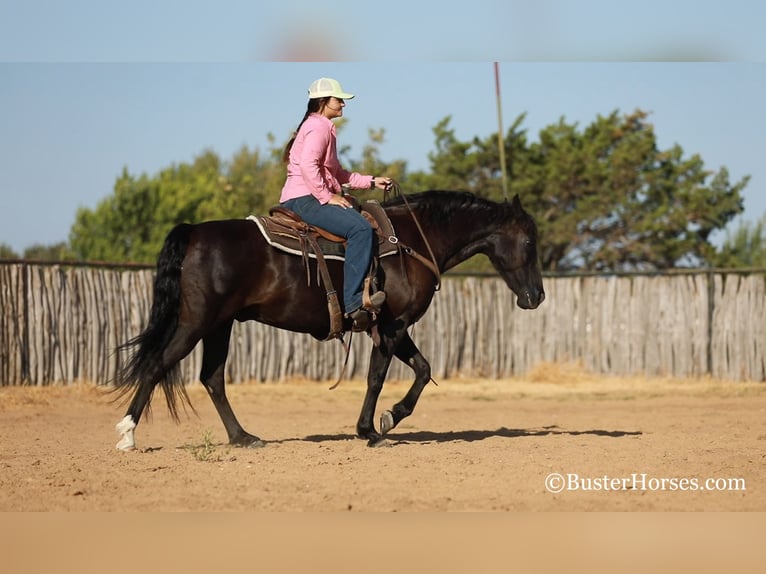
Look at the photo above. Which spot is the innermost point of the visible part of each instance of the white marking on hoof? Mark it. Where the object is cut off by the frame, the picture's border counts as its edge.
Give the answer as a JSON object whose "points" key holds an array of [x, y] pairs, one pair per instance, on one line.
{"points": [[386, 422], [125, 430]]}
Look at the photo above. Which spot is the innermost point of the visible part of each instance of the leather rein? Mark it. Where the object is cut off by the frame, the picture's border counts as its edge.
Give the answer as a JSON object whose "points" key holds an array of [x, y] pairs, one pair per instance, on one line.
{"points": [[429, 263]]}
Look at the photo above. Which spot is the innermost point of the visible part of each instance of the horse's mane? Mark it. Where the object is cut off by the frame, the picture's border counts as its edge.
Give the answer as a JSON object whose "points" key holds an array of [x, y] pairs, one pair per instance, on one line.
{"points": [[440, 206]]}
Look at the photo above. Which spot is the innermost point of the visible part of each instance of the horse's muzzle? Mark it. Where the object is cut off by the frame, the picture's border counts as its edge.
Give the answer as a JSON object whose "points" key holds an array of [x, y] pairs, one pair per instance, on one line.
{"points": [[530, 299]]}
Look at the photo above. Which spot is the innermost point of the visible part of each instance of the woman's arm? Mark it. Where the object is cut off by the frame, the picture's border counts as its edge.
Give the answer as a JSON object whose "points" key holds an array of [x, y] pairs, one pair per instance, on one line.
{"points": [[311, 163]]}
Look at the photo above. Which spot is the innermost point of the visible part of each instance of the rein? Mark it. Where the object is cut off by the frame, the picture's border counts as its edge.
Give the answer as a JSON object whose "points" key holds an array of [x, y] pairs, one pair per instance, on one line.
{"points": [[430, 264]]}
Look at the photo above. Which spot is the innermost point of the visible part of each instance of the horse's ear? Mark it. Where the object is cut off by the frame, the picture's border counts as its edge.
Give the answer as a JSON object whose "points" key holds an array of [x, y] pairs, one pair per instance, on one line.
{"points": [[516, 204]]}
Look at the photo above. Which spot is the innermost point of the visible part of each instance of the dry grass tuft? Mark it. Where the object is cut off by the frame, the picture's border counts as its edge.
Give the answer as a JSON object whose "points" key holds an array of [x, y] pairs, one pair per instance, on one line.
{"points": [[556, 373], [32, 396]]}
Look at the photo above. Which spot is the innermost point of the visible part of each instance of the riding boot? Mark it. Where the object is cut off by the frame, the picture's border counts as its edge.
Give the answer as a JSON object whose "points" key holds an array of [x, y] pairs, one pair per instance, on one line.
{"points": [[362, 316], [361, 320]]}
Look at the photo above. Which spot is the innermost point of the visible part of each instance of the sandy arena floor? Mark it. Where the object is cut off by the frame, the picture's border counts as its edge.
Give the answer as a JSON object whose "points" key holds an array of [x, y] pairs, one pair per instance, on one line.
{"points": [[612, 444]]}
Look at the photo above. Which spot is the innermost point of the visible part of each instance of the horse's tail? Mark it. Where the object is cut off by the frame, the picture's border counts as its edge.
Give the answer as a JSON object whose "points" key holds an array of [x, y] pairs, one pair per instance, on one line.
{"points": [[145, 367]]}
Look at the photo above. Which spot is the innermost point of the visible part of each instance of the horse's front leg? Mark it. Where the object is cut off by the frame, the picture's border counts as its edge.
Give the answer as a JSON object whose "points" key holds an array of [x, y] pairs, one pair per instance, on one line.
{"points": [[365, 427], [410, 355]]}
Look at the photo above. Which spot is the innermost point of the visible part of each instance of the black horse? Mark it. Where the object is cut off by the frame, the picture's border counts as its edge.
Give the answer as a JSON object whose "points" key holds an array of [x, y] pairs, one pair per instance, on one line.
{"points": [[213, 273]]}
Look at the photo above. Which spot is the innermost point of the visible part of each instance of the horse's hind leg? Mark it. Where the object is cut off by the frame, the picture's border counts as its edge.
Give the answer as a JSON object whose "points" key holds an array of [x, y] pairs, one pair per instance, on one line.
{"points": [[155, 371], [216, 349], [409, 354]]}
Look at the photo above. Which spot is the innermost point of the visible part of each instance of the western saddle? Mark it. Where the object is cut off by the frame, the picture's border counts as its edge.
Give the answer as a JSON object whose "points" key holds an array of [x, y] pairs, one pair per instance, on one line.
{"points": [[285, 230]]}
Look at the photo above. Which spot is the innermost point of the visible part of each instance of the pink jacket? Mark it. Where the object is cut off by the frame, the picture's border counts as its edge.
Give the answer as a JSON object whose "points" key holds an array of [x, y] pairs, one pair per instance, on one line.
{"points": [[313, 167]]}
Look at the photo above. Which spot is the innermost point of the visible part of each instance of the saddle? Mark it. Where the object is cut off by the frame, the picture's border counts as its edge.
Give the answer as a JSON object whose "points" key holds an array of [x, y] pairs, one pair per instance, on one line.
{"points": [[283, 229]]}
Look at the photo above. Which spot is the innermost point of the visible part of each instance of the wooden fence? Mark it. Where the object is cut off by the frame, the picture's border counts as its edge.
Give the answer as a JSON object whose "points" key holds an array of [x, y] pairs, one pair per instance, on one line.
{"points": [[63, 323]]}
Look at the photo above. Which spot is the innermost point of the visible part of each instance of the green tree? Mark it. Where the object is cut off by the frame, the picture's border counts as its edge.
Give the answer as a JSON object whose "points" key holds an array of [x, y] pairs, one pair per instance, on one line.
{"points": [[371, 163], [471, 166], [131, 224], [123, 225], [54, 252], [7, 252], [255, 180], [606, 198], [745, 247]]}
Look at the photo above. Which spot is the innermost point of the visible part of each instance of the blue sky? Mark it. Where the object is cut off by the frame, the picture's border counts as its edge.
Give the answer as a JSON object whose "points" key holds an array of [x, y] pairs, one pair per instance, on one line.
{"points": [[83, 94]]}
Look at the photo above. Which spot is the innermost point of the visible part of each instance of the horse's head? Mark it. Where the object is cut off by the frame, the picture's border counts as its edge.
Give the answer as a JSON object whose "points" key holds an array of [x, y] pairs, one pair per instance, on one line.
{"points": [[512, 249], [461, 224]]}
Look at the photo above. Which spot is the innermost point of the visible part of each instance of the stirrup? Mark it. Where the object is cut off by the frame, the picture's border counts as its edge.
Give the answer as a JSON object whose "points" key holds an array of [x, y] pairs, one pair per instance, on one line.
{"points": [[376, 301]]}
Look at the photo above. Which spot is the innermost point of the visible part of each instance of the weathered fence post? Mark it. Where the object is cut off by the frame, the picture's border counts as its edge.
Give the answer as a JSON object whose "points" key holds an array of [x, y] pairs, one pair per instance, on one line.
{"points": [[62, 322]]}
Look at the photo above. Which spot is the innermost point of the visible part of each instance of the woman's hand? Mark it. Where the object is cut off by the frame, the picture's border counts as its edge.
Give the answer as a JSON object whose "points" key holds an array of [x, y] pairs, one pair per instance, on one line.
{"points": [[383, 183], [339, 200]]}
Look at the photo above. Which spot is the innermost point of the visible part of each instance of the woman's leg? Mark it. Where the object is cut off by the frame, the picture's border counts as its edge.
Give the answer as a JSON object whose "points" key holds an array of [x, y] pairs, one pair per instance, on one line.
{"points": [[351, 225]]}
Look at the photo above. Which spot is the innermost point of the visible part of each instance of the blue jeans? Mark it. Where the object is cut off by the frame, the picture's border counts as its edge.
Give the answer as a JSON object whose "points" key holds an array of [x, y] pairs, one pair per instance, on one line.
{"points": [[347, 223]]}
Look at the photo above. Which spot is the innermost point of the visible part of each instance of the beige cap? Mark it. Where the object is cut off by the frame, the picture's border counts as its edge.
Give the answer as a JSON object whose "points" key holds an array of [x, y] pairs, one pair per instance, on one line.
{"points": [[325, 87]]}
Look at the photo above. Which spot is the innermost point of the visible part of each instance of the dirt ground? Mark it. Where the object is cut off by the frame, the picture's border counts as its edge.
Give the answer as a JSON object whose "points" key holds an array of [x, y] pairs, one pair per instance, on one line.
{"points": [[471, 445]]}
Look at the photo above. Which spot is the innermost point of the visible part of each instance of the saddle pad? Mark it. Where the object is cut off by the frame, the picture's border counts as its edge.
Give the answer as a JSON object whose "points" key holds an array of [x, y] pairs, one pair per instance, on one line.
{"points": [[289, 241]]}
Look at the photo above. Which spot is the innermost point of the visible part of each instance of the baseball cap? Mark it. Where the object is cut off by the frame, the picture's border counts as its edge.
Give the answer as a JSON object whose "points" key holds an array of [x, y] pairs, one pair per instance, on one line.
{"points": [[325, 87]]}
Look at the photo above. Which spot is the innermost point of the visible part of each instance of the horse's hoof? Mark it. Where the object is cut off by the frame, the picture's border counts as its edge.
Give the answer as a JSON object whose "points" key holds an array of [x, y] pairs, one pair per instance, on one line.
{"points": [[126, 429], [386, 422], [378, 442], [249, 442], [126, 445]]}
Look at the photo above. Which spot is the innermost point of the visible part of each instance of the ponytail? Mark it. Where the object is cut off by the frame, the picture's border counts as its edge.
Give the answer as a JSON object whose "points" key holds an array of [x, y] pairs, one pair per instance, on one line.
{"points": [[313, 107]]}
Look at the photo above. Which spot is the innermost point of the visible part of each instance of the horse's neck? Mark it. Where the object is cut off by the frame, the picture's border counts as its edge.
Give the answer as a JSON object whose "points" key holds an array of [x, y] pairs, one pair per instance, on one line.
{"points": [[469, 245], [457, 239]]}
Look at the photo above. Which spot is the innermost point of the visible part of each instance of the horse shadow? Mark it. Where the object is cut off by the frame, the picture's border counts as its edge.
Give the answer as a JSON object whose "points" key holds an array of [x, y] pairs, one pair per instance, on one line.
{"points": [[425, 437]]}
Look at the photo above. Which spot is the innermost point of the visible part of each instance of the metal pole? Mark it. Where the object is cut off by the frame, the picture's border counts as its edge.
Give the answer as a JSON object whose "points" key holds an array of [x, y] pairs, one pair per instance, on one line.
{"points": [[500, 142]]}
